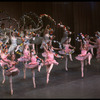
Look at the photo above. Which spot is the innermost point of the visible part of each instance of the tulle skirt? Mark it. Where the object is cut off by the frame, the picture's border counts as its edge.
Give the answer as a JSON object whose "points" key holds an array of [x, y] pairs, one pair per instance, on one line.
{"points": [[70, 51], [24, 59], [81, 58], [2, 63], [12, 71], [44, 54], [32, 65], [50, 61]]}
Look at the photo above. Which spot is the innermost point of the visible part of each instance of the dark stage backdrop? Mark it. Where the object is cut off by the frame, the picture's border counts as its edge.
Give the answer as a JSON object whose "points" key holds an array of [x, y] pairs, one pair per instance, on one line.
{"points": [[79, 16]]}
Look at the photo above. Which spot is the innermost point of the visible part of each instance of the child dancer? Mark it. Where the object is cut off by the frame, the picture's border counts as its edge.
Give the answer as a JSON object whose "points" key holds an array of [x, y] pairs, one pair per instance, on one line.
{"points": [[34, 64], [67, 51], [4, 56], [49, 60], [46, 36], [25, 58], [13, 43], [11, 70], [83, 56]]}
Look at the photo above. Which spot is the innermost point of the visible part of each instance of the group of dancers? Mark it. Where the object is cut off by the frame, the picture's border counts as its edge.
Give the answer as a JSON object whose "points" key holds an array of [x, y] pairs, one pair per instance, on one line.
{"points": [[22, 42]]}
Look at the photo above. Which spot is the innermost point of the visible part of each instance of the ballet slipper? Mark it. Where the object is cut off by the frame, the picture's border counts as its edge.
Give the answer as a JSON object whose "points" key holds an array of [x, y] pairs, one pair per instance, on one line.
{"points": [[11, 92]]}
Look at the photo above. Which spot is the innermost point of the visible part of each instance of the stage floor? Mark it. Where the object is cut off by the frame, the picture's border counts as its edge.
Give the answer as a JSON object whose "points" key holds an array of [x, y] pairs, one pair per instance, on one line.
{"points": [[63, 84]]}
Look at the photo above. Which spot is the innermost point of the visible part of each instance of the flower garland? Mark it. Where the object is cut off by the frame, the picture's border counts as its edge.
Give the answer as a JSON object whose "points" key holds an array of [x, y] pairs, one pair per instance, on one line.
{"points": [[45, 15], [49, 17], [19, 51], [64, 27], [51, 34], [82, 36], [60, 46]]}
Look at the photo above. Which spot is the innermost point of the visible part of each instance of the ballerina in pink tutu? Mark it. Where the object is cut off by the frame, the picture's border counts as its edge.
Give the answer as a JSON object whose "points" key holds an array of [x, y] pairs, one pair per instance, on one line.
{"points": [[49, 60], [84, 56], [4, 56], [11, 70], [25, 58], [67, 51], [26, 55], [34, 64]]}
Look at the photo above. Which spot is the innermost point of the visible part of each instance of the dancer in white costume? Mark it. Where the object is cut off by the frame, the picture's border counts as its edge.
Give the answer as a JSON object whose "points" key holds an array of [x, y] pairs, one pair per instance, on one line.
{"points": [[13, 43]]}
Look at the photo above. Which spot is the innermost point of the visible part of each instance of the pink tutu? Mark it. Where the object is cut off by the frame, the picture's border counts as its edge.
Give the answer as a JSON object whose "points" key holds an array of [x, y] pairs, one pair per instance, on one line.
{"points": [[24, 59], [50, 61], [61, 52], [31, 66], [66, 53], [33, 63], [44, 54], [67, 50], [2, 63], [82, 57], [14, 71]]}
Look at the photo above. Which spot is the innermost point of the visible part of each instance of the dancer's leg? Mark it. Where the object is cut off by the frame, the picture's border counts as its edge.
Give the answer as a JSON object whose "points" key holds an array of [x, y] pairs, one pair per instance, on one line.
{"points": [[89, 59], [82, 68], [70, 56], [24, 70], [48, 73], [66, 63], [11, 88], [92, 51], [3, 74], [33, 72]]}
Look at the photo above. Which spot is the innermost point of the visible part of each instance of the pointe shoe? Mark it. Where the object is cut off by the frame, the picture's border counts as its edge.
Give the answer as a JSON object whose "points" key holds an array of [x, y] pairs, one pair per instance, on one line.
{"points": [[71, 59], [82, 75], [66, 68], [34, 86], [3, 81], [89, 63], [47, 81], [24, 77], [11, 92], [39, 68]]}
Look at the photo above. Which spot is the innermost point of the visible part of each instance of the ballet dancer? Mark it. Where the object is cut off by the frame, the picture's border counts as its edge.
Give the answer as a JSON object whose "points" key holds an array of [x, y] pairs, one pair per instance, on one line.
{"points": [[34, 64], [49, 60], [46, 36], [25, 58], [84, 56], [11, 70], [13, 43], [67, 51], [4, 57]]}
